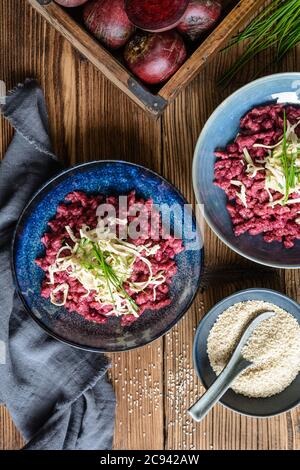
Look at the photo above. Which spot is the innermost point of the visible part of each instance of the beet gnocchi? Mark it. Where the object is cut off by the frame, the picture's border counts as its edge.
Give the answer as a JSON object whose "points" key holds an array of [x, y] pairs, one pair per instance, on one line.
{"points": [[260, 174], [96, 274]]}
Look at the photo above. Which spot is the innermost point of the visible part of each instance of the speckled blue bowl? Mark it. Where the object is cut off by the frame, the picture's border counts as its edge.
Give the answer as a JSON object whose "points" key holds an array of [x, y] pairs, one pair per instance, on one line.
{"points": [[256, 407], [109, 178], [220, 129]]}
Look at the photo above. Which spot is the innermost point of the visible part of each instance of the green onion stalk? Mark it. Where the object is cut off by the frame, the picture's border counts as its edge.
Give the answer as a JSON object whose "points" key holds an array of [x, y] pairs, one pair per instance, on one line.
{"points": [[287, 162], [277, 25], [111, 277]]}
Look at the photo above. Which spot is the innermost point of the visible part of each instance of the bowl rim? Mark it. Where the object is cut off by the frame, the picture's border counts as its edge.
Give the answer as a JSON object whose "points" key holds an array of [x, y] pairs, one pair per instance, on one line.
{"points": [[197, 339], [196, 159], [14, 271]]}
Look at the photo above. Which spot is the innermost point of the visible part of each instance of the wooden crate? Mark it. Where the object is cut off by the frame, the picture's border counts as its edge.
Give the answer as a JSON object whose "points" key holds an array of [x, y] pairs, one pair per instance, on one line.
{"points": [[152, 100]]}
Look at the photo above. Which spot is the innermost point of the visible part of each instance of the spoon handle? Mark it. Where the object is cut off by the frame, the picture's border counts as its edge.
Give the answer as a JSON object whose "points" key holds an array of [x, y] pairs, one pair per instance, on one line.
{"points": [[200, 409]]}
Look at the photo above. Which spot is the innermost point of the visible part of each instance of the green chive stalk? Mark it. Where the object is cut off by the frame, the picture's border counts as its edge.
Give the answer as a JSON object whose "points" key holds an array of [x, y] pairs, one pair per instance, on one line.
{"points": [[111, 277], [287, 162], [278, 26], [284, 159]]}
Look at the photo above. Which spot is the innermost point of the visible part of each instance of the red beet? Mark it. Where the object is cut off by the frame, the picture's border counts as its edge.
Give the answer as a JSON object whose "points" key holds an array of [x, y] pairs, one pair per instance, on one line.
{"points": [[108, 21], [155, 15], [200, 16], [71, 3], [155, 57]]}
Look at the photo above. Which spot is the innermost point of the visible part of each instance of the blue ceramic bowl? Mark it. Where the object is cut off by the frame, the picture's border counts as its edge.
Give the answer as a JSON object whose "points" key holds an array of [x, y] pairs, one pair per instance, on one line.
{"points": [[220, 129], [256, 407], [109, 178]]}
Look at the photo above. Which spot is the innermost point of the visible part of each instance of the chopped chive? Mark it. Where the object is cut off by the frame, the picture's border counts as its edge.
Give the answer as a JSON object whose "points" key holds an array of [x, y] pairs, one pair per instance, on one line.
{"points": [[284, 159], [111, 277], [276, 25], [101, 260], [288, 161]]}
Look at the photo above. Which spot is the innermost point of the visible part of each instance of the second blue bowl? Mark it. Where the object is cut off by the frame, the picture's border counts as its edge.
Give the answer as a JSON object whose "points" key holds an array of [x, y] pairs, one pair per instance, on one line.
{"points": [[220, 129]]}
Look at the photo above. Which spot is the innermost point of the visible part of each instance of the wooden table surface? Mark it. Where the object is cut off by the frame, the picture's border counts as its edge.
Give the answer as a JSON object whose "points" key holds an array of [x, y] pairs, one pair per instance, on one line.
{"points": [[91, 119]]}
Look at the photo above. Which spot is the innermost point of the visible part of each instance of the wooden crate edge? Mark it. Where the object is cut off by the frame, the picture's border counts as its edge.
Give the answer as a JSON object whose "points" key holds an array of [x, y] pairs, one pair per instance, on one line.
{"points": [[208, 49], [154, 105]]}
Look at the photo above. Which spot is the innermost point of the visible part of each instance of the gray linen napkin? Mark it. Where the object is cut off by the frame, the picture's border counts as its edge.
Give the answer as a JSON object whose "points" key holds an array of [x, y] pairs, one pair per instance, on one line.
{"points": [[58, 396]]}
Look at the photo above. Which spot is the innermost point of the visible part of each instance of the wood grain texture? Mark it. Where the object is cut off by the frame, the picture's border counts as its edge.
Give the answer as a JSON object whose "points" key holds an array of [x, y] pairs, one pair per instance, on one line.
{"points": [[222, 429], [234, 14], [90, 119], [101, 58]]}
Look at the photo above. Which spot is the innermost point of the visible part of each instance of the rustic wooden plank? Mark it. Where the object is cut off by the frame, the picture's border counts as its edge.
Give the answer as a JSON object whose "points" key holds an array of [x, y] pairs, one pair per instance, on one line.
{"points": [[138, 381], [101, 58], [221, 429], [10, 438], [90, 119], [292, 280], [235, 14], [87, 113], [236, 18]]}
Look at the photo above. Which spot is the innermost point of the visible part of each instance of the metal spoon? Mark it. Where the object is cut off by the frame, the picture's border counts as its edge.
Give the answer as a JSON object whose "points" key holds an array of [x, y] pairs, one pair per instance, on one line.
{"points": [[235, 366]]}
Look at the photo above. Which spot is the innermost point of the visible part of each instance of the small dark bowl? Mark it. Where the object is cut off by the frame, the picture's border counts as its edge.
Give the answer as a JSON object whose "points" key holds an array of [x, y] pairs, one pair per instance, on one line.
{"points": [[256, 407], [109, 178]]}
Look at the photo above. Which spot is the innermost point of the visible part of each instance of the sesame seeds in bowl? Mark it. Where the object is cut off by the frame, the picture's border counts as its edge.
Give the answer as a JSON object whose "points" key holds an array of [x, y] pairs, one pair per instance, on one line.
{"points": [[273, 348], [271, 384]]}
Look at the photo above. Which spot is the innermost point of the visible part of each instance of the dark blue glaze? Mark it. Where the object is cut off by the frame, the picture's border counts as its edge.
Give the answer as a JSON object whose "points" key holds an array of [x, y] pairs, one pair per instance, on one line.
{"points": [[109, 178], [258, 407]]}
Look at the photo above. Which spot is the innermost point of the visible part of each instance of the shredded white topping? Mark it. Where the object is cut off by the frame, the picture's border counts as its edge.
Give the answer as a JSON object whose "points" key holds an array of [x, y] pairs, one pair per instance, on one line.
{"points": [[242, 195], [252, 169], [64, 288], [82, 263], [275, 175], [288, 148]]}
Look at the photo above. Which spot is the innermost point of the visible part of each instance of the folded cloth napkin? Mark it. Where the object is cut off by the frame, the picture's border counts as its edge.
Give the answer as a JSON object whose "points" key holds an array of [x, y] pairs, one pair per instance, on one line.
{"points": [[57, 395]]}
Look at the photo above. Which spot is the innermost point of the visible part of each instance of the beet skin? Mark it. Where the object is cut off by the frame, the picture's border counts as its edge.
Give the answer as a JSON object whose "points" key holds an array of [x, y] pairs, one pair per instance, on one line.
{"points": [[155, 57], [108, 21]]}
